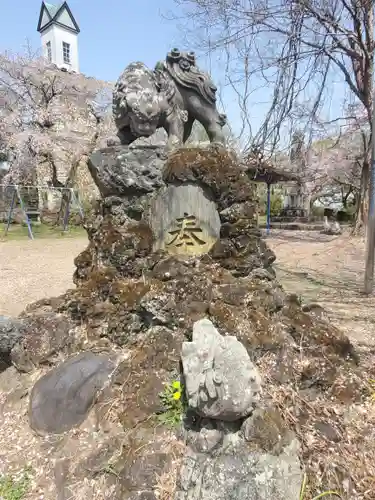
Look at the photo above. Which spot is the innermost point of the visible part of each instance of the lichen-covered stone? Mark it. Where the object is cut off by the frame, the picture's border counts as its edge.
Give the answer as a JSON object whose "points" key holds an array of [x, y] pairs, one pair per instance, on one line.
{"points": [[123, 171], [266, 430], [11, 332], [239, 474], [218, 171], [45, 335], [151, 366]]}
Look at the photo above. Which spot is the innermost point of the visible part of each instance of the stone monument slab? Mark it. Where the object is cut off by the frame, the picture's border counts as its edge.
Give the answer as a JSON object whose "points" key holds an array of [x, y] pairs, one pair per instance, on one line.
{"points": [[184, 221]]}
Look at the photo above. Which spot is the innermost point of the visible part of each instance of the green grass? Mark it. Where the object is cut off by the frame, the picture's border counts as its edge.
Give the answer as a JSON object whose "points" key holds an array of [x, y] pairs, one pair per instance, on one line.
{"points": [[12, 488], [20, 232]]}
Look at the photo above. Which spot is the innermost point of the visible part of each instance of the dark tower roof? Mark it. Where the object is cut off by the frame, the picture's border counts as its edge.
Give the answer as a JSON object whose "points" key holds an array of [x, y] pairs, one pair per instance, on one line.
{"points": [[60, 15]]}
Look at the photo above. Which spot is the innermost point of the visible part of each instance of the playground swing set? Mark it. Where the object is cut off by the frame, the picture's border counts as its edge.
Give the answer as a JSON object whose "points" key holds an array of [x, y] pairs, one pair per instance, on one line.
{"points": [[28, 212]]}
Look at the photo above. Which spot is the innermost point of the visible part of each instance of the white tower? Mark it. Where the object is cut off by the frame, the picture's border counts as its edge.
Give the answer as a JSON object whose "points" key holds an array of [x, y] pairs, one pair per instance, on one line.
{"points": [[59, 33]]}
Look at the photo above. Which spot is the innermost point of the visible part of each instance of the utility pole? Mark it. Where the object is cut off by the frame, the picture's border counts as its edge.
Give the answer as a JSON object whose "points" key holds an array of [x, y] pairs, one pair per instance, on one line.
{"points": [[370, 233]]}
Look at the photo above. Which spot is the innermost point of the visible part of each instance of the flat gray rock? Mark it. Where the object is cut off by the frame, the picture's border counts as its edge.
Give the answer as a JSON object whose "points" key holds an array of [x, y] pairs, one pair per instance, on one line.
{"points": [[127, 170], [221, 380], [62, 399]]}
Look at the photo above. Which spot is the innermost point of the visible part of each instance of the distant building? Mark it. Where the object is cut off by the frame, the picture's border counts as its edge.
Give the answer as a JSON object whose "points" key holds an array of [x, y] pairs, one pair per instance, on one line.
{"points": [[59, 34], [295, 199]]}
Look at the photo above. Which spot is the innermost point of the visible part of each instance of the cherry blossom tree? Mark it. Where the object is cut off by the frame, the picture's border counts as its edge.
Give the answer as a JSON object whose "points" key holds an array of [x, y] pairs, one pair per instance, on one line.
{"points": [[50, 118], [297, 51]]}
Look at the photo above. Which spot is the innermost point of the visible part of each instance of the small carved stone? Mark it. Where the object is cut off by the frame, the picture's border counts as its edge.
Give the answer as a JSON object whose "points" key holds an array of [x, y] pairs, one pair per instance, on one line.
{"points": [[221, 381], [172, 97]]}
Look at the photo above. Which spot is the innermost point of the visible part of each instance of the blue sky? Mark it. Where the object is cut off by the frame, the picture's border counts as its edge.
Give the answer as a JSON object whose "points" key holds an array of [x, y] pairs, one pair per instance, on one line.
{"points": [[115, 33]]}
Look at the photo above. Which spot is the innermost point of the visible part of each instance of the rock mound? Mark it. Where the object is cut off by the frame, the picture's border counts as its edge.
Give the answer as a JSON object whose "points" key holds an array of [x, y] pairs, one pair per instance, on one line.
{"points": [[265, 391]]}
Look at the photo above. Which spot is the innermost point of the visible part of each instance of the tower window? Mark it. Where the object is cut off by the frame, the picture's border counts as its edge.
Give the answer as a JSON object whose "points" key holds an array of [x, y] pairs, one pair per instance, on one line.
{"points": [[49, 51], [66, 52]]}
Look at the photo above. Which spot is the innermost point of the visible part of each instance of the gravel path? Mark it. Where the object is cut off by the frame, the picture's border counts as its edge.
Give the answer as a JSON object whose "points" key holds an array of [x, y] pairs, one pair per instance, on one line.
{"points": [[31, 270]]}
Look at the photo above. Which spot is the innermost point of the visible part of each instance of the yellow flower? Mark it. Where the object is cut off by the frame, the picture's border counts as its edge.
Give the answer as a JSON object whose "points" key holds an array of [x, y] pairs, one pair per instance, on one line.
{"points": [[177, 395], [176, 385]]}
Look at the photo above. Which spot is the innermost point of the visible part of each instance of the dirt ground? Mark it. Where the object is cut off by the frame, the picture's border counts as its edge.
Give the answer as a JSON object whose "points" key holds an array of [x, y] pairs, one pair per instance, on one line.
{"points": [[328, 270], [31, 270], [323, 269]]}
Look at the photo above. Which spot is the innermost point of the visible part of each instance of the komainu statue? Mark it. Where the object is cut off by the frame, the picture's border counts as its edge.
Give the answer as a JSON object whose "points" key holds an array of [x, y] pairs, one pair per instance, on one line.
{"points": [[172, 96]]}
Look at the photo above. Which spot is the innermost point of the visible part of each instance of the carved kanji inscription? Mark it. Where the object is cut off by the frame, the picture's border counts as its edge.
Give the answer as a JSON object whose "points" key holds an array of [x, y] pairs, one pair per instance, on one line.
{"points": [[187, 233], [184, 221]]}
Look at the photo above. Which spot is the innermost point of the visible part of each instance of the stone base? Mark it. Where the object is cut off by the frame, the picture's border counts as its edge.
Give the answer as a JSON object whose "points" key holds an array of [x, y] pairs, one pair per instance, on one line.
{"points": [[142, 303]]}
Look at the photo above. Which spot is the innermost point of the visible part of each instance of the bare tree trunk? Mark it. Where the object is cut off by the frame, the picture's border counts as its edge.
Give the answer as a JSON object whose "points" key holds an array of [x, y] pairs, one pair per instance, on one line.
{"points": [[362, 199], [345, 196]]}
